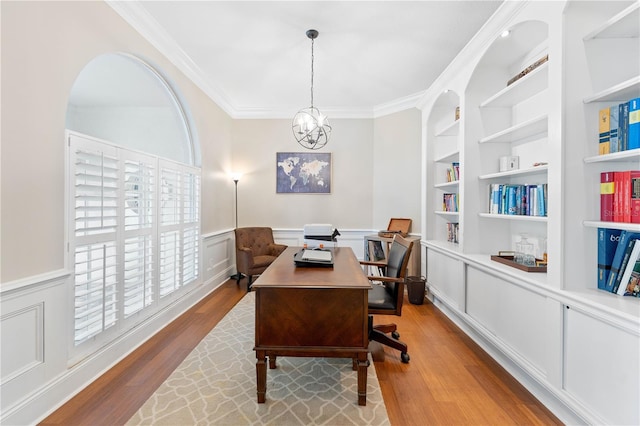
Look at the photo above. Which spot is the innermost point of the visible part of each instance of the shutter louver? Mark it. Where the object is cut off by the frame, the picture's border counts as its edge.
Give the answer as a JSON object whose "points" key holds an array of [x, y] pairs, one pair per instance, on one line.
{"points": [[190, 257], [95, 289], [138, 274], [170, 197], [139, 193], [169, 262]]}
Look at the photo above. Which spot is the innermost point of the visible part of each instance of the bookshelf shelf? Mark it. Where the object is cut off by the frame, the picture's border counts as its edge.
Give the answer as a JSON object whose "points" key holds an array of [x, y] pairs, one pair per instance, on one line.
{"points": [[447, 185], [443, 213], [633, 154], [514, 217], [620, 92], [518, 132], [622, 25], [450, 129], [635, 227], [449, 157], [539, 170], [534, 82]]}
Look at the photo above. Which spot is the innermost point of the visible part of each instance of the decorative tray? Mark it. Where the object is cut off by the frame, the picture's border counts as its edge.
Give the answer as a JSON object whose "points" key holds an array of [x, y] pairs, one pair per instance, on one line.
{"points": [[507, 259]]}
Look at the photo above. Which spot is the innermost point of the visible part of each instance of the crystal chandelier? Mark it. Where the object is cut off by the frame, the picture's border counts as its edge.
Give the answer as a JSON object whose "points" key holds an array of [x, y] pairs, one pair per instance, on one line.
{"points": [[310, 128]]}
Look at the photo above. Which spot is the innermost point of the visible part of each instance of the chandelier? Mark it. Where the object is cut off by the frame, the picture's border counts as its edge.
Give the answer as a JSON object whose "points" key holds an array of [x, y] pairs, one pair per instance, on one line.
{"points": [[310, 128]]}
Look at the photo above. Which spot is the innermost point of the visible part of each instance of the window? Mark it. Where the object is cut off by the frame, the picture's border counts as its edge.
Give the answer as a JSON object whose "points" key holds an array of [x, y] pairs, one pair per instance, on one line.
{"points": [[130, 251]]}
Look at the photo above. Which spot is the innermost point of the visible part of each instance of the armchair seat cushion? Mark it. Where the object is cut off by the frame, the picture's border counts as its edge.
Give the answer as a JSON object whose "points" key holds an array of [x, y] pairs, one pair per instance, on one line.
{"points": [[380, 298], [262, 261]]}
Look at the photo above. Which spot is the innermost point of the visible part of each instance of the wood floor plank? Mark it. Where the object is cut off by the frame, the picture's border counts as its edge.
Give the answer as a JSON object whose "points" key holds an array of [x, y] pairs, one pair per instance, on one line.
{"points": [[449, 380]]}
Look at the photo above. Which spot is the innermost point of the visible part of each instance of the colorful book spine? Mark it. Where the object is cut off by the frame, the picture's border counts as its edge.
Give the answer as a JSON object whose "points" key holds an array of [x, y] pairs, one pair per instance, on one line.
{"points": [[635, 196], [617, 197], [625, 237], [603, 131], [634, 124], [623, 264], [607, 243], [607, 189], [614, 145], [633, 265]]}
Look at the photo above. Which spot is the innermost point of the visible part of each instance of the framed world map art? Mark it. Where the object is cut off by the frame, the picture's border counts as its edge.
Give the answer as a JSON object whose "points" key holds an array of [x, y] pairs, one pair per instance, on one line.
{"points": [[303, 173]]}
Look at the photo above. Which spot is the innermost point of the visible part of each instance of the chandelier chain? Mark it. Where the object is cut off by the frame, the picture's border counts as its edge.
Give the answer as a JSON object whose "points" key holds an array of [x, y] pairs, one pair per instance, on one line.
{"points": [[312, 40]]}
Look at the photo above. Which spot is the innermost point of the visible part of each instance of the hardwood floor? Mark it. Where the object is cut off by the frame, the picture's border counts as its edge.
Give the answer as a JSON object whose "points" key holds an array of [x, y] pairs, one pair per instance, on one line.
{"points": [[449, 379]]}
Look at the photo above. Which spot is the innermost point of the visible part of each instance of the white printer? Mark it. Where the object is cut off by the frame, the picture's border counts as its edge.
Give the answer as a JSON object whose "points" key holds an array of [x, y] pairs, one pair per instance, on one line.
{"points": [[320, 233]]}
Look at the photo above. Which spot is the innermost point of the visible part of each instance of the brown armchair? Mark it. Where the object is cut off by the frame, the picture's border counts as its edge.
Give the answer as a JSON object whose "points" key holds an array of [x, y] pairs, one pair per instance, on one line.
{"points": [[255, 250], [387, 298]]}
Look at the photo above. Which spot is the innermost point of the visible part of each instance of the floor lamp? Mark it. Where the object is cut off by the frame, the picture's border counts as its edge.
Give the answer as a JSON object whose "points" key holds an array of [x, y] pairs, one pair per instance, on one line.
{"points": [[236, 178]]}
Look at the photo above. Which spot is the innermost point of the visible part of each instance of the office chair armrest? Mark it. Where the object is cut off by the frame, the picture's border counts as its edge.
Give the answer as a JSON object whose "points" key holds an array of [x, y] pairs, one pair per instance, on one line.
{"points": [[385, 279], [372, 263]]}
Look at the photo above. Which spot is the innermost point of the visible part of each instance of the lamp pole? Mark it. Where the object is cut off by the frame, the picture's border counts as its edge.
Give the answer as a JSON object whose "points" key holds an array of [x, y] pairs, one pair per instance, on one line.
{"points": [[235, 180]]}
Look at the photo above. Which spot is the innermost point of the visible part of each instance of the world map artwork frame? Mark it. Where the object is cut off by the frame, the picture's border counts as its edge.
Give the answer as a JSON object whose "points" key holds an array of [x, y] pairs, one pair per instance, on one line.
{"points": [[303, 172]]}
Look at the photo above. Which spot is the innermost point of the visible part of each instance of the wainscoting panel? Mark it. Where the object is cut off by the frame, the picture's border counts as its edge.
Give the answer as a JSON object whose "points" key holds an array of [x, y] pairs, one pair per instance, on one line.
{"points": [[21, 341]]}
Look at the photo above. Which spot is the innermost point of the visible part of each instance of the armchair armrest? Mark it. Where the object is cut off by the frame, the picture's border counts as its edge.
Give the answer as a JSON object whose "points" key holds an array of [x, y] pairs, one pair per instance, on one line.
{"points": [[372, 263], [385, 279], [244, 259], [276, 249]]}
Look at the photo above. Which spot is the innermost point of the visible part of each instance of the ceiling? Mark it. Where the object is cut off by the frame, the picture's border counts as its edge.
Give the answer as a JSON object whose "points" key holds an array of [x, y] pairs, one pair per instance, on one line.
{"points": [[254, 59]]}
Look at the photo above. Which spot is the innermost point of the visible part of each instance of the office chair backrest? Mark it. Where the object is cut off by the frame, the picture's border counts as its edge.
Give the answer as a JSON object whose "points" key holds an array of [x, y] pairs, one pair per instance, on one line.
{"points": [[397, 262]]}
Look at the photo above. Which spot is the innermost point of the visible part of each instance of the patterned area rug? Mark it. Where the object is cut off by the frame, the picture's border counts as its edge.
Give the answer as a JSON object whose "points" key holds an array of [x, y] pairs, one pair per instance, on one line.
{"points": [[216, 385]]}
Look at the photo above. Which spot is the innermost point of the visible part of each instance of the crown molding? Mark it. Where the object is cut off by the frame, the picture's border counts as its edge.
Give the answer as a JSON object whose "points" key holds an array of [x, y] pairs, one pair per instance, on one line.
{"points": [[138, 17], [145, 24]]}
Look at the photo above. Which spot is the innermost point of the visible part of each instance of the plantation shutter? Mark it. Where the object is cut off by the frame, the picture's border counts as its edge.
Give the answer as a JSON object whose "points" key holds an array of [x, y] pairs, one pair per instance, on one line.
{"points": [[94, 203], [191, 216], [139, 244]]}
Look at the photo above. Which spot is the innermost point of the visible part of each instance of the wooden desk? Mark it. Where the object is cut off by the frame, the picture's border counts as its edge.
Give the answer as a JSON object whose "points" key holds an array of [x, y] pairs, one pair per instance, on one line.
{"points": [[312, 312]]}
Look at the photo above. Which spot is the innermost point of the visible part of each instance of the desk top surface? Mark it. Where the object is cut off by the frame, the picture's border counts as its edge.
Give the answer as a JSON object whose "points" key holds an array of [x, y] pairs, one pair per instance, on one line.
{"points": [[346, 272]]}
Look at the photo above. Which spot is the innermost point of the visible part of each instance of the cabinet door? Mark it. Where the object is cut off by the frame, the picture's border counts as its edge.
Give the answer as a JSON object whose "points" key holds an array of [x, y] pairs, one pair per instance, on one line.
{"points": [[601, 367], [444, 274]]}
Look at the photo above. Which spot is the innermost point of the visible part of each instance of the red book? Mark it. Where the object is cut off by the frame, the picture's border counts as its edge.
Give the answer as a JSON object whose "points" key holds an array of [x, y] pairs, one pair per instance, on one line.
{"points": [[635, 196], [606, 196], [625, 196]]}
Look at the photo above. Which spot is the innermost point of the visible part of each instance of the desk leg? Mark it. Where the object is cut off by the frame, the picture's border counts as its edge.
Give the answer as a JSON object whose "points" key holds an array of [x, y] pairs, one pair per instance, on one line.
{"points": [[261, 375], [363, 363], [272, 362]]}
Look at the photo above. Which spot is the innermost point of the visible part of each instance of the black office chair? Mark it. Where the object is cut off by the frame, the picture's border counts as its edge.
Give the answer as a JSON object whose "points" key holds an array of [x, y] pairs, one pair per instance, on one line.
{"points": [[386, 298]]}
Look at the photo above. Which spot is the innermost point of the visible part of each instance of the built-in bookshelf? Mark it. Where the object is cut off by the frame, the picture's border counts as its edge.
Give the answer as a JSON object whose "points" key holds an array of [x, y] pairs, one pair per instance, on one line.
{"points": [[548, 118], [444, 180]]}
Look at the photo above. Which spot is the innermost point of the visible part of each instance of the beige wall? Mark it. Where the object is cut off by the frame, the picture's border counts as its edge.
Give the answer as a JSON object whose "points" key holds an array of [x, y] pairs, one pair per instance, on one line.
{"points": [[349, 206], [396, 164], [44, 47]]}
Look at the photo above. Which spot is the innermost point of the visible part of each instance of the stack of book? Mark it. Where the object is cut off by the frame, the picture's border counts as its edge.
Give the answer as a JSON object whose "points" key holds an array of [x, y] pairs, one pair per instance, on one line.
{"points": [[452, 232], [619, 262], [620, 196], [453, 172], [526, 200], [619, 127], [450, 202]]}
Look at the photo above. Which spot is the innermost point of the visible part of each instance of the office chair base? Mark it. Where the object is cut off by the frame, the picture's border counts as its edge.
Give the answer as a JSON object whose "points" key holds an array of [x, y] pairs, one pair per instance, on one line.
{"points": [[380, 333]]}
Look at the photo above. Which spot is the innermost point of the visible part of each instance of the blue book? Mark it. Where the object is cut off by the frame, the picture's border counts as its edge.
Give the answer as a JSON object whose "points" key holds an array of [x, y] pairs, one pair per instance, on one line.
{"points": [[511, 200], [607, 243], [625, 237], [634, 123], [613, 132], [623, 126], [623, 265]]}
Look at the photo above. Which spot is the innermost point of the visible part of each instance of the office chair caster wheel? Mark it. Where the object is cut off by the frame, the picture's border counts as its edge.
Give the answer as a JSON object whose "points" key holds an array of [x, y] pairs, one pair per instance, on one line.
{"points": [[404, 357], [395, 335]]}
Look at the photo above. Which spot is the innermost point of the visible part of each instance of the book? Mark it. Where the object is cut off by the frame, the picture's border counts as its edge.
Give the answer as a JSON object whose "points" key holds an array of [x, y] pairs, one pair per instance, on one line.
{"points": [[607, 242], [625, 237], [634, 124], [623, 126], [623, 264], [613, 129], [376, 252], [624, 196], [603, 131], [635, 196], [607, 189], [633, 264]]}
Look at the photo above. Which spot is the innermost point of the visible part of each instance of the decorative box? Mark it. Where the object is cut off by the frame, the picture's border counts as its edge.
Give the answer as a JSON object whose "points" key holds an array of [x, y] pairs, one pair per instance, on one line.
{"points": [[396, 226]]}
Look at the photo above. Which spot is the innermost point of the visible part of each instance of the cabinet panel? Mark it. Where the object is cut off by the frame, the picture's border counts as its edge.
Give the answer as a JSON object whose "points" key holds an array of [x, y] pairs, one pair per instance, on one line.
{"points": [[601, 367], [518, 317], [444, 275]]}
